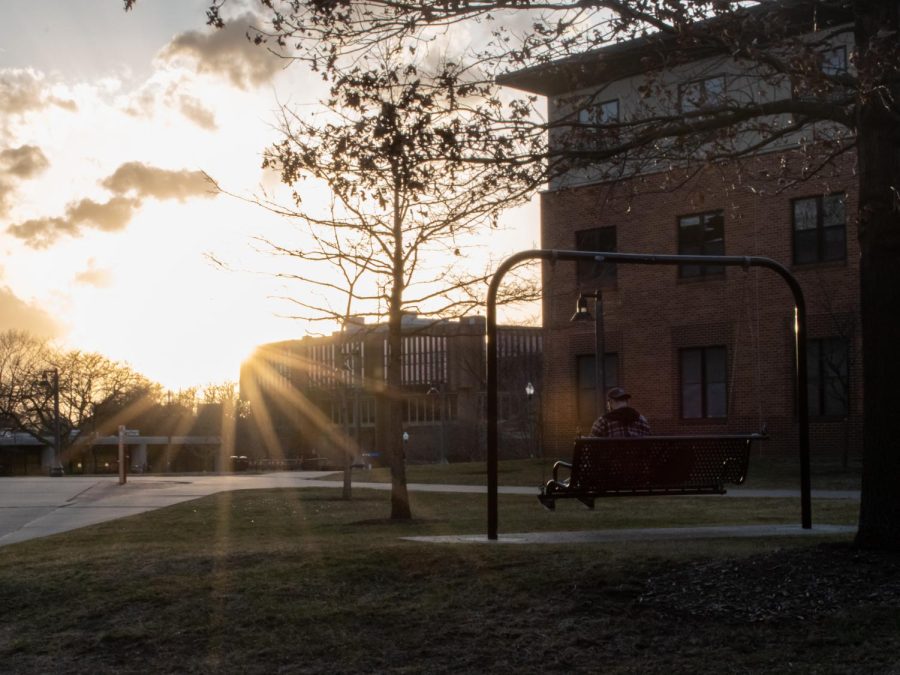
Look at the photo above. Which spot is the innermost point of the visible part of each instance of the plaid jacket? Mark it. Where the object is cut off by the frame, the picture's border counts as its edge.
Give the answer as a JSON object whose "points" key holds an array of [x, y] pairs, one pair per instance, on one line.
{"points": [[620, 423]]}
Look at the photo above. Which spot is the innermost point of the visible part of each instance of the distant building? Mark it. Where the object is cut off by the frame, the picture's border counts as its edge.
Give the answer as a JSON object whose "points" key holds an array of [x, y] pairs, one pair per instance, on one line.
{"points": [[305, 396]]}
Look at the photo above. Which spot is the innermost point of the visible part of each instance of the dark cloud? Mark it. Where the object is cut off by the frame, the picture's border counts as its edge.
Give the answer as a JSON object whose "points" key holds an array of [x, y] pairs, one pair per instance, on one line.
{"points": [[109, 216], [94, 276], [142, 180], [226, 52], [18, 164], [18, 314], [193, 109]]}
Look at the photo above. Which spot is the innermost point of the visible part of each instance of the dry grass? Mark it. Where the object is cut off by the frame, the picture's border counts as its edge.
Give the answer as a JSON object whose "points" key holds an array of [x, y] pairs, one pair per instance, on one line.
{"points": [[300, 581], [766, 471]]}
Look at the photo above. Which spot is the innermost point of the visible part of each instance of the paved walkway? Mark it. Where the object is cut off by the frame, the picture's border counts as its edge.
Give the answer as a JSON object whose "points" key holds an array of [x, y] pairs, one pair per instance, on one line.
{"points": [[32, 507], [645, 534]]}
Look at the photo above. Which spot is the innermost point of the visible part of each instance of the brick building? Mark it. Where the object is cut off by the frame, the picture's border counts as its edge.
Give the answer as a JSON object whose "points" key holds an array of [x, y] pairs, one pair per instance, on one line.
{"points": [[309, 396], [701, 351]]}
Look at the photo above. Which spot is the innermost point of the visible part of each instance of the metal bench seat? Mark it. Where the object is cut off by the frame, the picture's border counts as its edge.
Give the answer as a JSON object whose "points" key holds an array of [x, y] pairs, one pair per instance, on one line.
{"points": [[649, 465]]}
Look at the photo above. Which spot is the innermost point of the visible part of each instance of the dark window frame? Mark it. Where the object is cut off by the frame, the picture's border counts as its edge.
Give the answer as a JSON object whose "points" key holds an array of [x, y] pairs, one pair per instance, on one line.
{"points": [[701, 104], [828, 68], [820, 230], [704, 245], [589, 272], [588, 114], [704, 383]]}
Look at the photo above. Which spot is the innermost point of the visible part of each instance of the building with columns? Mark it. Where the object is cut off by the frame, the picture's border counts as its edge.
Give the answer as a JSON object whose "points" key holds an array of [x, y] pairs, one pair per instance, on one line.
{"points": [[309, 396]]}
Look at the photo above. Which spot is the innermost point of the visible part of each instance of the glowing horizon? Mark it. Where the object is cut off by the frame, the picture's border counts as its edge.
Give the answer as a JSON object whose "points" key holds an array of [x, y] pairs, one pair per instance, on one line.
{"points": [[107, 224]]}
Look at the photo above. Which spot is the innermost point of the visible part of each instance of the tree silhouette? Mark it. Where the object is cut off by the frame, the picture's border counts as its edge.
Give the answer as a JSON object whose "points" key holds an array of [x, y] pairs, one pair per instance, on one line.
{"points": [[392, 151]]}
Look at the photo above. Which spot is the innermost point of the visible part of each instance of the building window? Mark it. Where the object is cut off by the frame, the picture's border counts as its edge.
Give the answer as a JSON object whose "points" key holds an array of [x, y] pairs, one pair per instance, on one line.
{"points": [[701, 94], [827, 377], [820, 230], [704, 391], [701, 234], [590, 271], [834, 61], [606, 112], [587, 401]]}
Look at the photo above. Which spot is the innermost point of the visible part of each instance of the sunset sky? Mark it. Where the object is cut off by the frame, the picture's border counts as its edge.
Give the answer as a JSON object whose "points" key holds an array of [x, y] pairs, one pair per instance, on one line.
{"points": [[108, 121]]}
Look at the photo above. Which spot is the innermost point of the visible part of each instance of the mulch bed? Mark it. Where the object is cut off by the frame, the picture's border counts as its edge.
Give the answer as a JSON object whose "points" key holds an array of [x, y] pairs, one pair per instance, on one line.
{"points": [[787, 584]]}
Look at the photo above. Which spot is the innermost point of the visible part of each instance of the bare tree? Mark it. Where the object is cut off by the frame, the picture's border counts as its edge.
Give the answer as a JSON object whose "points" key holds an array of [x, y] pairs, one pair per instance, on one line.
{"points": [[46, 392], [393, 153]]}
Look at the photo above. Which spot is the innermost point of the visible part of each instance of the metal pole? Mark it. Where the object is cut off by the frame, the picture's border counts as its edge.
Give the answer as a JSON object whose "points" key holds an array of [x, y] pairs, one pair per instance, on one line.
{"points": [[122, 477], [443, 400], [56, 440], [646, 259], [600, 351]]}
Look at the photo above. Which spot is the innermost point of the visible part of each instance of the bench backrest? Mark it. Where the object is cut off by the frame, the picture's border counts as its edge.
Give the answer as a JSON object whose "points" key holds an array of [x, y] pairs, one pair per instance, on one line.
{"points": [[660, 462]]}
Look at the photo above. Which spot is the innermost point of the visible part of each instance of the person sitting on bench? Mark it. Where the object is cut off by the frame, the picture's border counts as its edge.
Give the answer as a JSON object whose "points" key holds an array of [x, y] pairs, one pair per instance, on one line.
{"points": [[621, 420]]}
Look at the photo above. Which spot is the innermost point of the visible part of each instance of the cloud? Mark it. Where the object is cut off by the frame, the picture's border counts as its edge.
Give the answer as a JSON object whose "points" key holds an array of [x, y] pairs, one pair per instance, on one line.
{"points": [[22, 91], [142, 180], [131, 183], [109, 216], [226, 52], [193, 109], [16, 313], [94, 276], [18, 164], [23, 162]]}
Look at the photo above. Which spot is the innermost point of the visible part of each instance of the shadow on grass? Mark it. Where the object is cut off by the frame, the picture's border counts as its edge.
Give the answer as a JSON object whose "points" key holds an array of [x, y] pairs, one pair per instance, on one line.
{"points": [[294, 580]]}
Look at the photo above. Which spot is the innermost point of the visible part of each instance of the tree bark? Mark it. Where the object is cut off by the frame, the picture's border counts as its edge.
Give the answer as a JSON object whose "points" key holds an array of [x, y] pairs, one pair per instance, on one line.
{"points": [[400, 509], [878, 137]]}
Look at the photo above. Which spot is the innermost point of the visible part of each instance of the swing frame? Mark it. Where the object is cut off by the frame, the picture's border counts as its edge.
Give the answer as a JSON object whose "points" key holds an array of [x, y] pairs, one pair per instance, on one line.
{"points": [[553, 256]]}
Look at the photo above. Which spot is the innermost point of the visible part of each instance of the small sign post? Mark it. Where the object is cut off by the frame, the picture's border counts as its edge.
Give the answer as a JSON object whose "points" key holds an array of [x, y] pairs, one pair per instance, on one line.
{"points": [[123, 475]]}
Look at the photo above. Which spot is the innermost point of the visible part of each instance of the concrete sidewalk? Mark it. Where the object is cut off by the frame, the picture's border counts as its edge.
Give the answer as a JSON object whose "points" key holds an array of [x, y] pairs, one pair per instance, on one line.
{"points": [[32, 507], [646, 534]]}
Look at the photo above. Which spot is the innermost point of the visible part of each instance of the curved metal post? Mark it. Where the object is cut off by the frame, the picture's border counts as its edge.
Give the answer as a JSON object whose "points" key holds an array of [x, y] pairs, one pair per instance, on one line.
{"points": [[648, 259]]}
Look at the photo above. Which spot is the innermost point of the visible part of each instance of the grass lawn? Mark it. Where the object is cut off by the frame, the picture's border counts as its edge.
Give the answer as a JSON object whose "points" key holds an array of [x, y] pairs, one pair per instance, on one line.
{"points": [[766, 471], [300, 581]]}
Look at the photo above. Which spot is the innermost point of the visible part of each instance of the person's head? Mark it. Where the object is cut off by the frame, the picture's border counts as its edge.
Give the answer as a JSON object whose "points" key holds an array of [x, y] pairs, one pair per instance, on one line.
{"points": [[617, 397]]}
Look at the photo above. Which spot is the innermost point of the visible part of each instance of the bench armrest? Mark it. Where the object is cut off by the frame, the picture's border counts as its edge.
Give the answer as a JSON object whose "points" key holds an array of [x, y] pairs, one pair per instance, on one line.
{"points": [[560, 465]]}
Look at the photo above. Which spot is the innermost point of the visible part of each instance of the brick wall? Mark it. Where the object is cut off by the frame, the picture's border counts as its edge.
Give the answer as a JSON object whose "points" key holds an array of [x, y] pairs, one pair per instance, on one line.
{"points": [[650, 313]]}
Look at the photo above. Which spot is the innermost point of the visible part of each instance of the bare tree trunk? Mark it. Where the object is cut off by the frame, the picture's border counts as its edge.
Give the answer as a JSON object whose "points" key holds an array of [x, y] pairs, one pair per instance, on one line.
{"points": [[878, 137], [348, 459], [400, 509]]}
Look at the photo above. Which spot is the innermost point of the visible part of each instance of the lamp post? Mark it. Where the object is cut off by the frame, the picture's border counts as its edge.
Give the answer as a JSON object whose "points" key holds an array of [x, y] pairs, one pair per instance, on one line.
{"points": [[582, 314], [436, 391], [51, 379], [529, 396]]}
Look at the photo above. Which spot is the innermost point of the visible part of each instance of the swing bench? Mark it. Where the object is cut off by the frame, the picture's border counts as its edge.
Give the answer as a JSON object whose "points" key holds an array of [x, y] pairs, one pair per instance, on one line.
{"points": [[648, 465], [644, 466]]}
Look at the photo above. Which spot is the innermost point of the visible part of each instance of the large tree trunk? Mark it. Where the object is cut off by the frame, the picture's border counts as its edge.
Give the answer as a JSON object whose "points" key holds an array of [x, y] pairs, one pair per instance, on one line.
{"points": [[879, 234], [399, 495]]}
